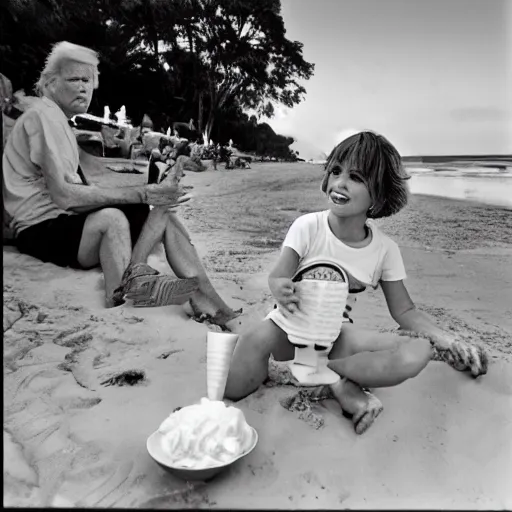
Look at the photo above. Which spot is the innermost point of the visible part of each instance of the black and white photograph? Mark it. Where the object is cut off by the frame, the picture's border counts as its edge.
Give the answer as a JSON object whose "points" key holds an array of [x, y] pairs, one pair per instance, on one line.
{"points": [[257, 254]]}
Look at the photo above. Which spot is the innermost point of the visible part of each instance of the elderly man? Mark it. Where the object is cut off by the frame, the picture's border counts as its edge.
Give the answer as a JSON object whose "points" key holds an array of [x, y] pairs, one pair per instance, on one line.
{"points": [[58, 217]]}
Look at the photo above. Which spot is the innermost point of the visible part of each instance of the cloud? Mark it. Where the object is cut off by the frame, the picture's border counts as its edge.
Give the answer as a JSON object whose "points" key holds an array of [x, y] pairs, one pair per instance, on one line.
{"points": [[281, 112], [479, 114]]}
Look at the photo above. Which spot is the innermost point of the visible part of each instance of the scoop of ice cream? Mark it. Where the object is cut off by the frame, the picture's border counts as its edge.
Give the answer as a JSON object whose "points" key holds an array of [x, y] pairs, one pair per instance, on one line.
{"points": [[205, 434], [323, 273]]}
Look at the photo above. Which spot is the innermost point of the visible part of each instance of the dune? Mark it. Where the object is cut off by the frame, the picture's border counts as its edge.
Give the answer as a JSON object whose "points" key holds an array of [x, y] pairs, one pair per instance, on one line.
{"points": [[84, 386]]}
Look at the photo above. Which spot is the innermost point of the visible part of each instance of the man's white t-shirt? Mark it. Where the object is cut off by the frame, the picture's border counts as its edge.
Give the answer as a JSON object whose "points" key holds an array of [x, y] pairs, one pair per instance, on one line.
{"points": [[310, 236]]}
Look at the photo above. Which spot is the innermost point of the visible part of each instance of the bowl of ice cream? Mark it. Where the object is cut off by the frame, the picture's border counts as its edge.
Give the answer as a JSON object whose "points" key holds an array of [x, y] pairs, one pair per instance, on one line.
{"points": [[199, 441]]}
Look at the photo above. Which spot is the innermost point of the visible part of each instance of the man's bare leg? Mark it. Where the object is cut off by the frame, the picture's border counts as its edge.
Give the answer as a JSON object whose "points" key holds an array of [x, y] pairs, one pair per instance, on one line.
{"points": [[185, 262], [106, 241], [163, 224], [152, 233], [144, 284], [155, 290]]}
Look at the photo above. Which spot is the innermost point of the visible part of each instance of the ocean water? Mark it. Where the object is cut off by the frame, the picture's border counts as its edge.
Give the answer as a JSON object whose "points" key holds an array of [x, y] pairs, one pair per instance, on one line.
{"points": [[481, 185]]}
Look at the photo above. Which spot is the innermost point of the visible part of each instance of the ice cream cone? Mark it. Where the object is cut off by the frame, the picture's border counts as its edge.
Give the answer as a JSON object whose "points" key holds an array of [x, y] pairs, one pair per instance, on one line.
{"points": [[219, 349]]}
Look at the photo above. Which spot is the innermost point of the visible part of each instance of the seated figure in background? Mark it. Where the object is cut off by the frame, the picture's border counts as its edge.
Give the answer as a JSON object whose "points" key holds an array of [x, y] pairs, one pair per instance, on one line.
{"points": [[59, 217]]}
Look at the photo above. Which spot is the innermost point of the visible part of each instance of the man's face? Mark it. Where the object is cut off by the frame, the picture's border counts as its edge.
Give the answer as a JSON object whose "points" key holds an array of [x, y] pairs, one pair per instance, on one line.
{"points": [[73, 88]]}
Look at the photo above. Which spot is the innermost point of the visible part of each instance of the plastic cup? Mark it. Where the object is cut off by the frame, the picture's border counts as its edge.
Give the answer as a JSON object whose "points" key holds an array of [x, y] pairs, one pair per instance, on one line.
{"points": [[219, 350]]}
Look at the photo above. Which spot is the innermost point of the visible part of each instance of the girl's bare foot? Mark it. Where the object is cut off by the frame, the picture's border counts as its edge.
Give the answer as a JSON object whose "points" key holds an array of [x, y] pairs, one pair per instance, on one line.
{"points": [[362, 406]]}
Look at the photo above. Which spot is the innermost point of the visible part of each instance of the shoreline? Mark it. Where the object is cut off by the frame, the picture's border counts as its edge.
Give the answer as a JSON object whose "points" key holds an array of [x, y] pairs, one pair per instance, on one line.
{"points": [[72, 441], [494, 190]]}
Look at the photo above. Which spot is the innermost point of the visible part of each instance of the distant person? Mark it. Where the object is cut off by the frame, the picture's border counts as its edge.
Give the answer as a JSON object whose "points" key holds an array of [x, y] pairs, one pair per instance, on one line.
{"points": [[187, 130], [146, 125], [59, 217], [364, 180]]}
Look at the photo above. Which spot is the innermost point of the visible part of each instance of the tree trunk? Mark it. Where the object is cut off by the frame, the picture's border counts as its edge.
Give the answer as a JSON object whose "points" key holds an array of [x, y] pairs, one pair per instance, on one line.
{"points": [[209, 123], [213, 108], [200, 113], [153, 37]]}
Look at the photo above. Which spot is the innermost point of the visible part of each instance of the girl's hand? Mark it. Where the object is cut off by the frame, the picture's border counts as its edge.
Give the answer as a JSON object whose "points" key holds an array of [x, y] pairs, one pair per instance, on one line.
{"points": [[285, 292], [472, 357], [462, 355]]}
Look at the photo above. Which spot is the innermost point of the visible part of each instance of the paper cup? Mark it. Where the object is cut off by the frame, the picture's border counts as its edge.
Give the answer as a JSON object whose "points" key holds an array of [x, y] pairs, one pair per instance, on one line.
{"points": [[219, 349]]}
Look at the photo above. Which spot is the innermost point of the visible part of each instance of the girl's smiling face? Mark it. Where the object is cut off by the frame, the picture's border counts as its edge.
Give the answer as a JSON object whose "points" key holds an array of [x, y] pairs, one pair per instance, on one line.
{"points": [[347, 192]]}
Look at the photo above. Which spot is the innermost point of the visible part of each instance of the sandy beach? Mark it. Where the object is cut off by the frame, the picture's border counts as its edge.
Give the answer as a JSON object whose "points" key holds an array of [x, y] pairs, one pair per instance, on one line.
{"points": [[75, 430]]}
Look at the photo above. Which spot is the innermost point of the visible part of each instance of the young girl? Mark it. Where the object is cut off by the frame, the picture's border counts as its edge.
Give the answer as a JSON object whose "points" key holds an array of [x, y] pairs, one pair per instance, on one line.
{"points": [[364, 180]]}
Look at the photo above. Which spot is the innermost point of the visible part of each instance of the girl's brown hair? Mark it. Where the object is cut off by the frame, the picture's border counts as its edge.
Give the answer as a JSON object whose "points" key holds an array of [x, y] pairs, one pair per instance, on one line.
{"points": [[381, 168]]}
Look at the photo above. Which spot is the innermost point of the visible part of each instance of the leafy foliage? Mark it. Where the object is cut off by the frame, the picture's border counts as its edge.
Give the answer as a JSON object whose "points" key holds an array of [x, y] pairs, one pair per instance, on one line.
{"points": [[173, 59]]}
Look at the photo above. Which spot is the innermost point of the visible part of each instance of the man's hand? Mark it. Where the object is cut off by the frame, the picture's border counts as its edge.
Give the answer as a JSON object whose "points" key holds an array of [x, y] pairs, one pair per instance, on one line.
{"points": [[285, 292], [168, 192]]}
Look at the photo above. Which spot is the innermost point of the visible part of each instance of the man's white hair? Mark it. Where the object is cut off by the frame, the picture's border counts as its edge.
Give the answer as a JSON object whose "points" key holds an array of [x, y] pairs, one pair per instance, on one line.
{"points": [[65, 51]]}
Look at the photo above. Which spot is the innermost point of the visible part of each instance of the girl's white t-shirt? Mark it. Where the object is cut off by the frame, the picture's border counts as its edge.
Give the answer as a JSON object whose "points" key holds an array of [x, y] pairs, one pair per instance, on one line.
{"points": [[310, 236], [312, 239]]}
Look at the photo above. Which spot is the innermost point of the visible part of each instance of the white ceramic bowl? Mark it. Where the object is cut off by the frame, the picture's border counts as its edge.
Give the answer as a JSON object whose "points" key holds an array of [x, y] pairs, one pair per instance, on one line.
{"points": [[154, 446]]}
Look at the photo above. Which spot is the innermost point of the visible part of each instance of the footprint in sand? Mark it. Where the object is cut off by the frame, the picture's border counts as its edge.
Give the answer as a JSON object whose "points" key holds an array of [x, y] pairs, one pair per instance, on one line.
{"points": [[80, 359], [301, 402], [21, 481], [13, 311], [108, 480], [262, 471], [77, 338], [192, 495]]}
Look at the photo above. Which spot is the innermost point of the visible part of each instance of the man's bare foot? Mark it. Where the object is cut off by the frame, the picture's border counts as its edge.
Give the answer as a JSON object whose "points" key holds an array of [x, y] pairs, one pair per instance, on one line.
{"points": [[111, 303], [223, 318], [361, 405]]}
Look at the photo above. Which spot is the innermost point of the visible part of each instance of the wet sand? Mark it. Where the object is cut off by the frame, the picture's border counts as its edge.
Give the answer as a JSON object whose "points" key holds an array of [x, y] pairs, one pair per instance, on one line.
{"points": [[74, 435]]}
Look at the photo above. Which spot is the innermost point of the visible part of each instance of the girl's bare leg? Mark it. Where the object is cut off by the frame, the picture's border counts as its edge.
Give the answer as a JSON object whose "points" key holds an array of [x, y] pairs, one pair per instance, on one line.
{"points": [[249, 365], [378, 360], [362, 406]]}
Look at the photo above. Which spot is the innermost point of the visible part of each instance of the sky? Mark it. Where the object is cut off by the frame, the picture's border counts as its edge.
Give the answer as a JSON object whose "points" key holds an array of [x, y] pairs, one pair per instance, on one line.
{"points": [[432, 76]]}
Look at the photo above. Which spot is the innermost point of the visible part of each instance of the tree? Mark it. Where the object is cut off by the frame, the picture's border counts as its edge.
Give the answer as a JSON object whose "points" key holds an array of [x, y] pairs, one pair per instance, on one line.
{"points": [[26, 31], [180, 59], [243, 53]]}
